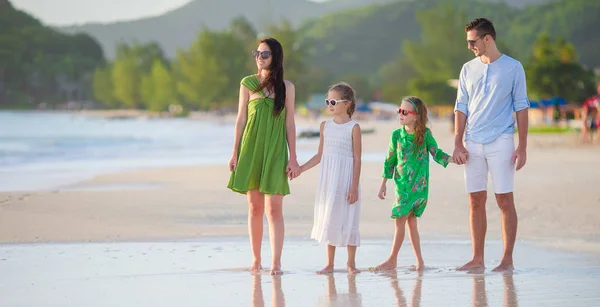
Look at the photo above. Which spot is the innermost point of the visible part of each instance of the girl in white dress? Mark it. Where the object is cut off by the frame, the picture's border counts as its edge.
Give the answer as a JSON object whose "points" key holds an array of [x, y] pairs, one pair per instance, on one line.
{"points": [[337, 205]]}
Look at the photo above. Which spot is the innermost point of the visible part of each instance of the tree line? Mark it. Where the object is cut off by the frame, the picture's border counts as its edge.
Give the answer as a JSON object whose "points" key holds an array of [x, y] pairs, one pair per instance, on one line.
{"points": [[207, 74], [204, 76]]}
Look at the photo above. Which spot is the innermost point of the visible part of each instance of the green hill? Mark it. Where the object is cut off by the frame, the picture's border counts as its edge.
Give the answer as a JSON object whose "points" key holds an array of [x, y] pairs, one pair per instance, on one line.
{"points": [[38, 63], [178, 28]]}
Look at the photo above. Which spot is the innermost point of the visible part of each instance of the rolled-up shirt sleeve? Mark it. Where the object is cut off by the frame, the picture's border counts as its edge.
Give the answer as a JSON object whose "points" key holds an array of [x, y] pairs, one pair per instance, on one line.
{"points": [[462, 96], [519, 90]]}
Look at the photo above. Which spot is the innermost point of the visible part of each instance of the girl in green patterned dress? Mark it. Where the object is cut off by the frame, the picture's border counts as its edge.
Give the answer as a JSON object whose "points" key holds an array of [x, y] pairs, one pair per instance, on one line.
{"points": [[260, 165], [407, 163]]}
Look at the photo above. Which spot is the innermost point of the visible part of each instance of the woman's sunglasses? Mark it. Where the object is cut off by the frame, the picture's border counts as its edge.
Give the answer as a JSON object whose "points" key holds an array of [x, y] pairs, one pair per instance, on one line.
{"points": [[263, 54], [333, 102], [405, 112]]}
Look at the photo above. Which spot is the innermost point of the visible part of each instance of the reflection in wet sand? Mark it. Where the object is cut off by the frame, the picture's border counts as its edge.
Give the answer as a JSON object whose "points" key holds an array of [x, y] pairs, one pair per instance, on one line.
{"points": [[399, 294], [333, 298], [68, 275], [278, 300], [510, 292], [480, 294]]}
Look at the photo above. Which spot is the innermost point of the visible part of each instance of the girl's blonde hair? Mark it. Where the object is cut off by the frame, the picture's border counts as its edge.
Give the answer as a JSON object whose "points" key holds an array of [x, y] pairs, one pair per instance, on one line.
{"points": [[347, 93], [422, 120]]}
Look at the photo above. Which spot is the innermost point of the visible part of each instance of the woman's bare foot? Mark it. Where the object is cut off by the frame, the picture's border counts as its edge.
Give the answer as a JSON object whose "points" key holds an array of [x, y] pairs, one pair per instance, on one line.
{"points": [[504, 267], [326, 270], [419, 267], [255, 268], [472, 265], [387, 265], [276, 270]]}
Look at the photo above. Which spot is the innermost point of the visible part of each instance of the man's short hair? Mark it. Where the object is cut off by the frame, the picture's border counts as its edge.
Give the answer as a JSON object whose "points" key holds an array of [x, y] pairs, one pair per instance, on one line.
{"points": [[482, 26]]}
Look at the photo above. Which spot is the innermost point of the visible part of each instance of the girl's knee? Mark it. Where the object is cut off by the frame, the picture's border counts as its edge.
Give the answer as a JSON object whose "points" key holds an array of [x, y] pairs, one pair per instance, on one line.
{"points": [[400, 221], [411, 221]]}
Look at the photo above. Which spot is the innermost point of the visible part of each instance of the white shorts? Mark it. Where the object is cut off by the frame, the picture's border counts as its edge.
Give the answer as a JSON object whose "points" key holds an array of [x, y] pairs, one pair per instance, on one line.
{"points": [[495, 157]]}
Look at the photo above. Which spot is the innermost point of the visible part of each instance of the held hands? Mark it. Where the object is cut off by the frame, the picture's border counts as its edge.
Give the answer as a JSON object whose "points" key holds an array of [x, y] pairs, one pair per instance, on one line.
{"points": [[451, 159], [292, 175], [293, 169], [353, 195], [460, 155]]}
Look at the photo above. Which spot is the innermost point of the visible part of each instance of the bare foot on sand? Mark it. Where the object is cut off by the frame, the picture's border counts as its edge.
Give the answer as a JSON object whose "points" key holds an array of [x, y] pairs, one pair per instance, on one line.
{"points": [[326, 270], [504, 267], [255, 268], [387, 265], [353, 270], [419, 267], [276, 270], [472, 265]]}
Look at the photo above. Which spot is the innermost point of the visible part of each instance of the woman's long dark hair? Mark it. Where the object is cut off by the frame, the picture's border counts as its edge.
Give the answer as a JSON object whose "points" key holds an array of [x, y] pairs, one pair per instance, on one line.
{"points": [[274, 82]]}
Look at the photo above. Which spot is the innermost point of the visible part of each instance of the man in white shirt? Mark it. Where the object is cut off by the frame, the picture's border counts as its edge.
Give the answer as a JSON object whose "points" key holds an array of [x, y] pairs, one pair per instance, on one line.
{"points": [[491, 88]]}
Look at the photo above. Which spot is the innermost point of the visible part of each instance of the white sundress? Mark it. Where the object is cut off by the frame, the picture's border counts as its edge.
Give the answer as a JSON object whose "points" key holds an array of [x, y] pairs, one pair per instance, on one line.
{"points": [[335, 220]]}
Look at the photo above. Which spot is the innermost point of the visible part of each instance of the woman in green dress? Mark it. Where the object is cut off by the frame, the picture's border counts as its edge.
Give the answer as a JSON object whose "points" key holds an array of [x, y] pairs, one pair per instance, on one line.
{"points": [[264, 132], [407, 163]]}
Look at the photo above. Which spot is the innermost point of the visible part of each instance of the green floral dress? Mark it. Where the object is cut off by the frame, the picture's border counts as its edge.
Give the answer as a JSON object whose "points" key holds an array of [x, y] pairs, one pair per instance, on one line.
{"points": [[410, 171]]}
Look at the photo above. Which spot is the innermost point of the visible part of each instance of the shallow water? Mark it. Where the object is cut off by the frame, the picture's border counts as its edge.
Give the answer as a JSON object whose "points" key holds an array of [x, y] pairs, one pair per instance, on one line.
{"points": [[52, 150], [211, 272]]}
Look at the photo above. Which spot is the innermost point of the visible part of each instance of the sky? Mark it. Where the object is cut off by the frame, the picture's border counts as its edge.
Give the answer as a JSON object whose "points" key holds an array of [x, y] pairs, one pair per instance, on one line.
{"points": [[69, 12]]}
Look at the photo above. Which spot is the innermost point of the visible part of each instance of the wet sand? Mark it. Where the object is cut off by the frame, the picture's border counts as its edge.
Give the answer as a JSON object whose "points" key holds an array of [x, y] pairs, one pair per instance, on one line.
{"points": [[211, 272]]}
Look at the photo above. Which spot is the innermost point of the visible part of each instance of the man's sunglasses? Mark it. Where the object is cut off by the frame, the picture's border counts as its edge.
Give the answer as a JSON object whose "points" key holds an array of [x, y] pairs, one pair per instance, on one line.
{"points": [[263, 54], [333, 102], [405, 112], [472, 42]]}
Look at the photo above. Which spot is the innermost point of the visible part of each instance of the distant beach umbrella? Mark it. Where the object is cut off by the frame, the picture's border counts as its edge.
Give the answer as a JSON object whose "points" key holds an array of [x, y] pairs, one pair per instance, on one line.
{"points": [[453, 83]]}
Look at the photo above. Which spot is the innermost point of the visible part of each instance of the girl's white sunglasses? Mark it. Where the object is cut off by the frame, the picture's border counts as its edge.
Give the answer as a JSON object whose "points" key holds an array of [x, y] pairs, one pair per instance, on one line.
{"points": [[333, 102]]}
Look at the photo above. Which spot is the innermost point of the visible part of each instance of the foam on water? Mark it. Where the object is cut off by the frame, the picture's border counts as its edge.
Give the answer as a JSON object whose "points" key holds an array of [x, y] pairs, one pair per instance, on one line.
{"points": [[46, 151]]}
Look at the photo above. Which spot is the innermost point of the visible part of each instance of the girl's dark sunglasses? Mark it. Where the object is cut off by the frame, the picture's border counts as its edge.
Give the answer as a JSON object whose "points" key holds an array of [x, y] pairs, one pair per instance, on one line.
{"points": [[332, 102], [405, 112], [263, 54]]}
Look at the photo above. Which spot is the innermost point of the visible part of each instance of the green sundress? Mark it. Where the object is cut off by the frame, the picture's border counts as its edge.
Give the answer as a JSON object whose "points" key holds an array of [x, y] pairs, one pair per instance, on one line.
{"points": [[410, 171], [262, 153]]}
